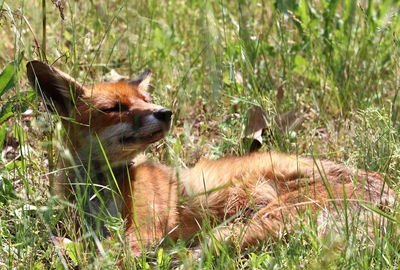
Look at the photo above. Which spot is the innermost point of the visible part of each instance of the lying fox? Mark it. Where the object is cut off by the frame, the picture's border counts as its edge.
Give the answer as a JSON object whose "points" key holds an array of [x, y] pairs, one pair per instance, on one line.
{"points": [[248, 199]]}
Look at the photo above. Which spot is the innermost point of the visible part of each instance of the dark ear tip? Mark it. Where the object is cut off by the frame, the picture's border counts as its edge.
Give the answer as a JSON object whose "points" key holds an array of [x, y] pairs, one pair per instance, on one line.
{"points": [[30, 67], [36, 69], [36, 63], [36, 66], [146, 73]]}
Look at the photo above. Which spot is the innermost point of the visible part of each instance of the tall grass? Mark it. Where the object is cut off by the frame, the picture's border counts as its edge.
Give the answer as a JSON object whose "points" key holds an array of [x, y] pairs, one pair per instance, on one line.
{"points": [[334, 65]]}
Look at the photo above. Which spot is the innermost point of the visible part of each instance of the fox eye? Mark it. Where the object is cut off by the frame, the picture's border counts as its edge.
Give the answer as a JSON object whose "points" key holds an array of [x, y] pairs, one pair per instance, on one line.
{"points": [[117, 108]]}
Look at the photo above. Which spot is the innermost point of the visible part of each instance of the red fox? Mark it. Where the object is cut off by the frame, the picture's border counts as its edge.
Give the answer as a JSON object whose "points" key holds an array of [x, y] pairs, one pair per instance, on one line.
{"points": [[248, 199]]}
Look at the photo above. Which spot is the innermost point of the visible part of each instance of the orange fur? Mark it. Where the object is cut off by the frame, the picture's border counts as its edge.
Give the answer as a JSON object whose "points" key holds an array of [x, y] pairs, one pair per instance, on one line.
{"points": [[254, 196], [262, 193]]}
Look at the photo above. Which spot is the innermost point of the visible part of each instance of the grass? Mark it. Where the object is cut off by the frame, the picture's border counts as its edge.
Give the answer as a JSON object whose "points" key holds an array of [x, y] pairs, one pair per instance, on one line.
{"points": [[332, 64]]}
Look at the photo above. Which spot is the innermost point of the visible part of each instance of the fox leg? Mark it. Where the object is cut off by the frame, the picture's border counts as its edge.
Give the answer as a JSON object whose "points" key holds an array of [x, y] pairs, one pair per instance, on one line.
{"points": [[332, 208], [285, 213], [149, 206]]}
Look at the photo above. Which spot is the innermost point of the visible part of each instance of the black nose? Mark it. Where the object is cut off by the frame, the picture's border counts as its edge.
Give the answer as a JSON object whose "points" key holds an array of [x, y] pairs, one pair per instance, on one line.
{"points": [[163, 115]]}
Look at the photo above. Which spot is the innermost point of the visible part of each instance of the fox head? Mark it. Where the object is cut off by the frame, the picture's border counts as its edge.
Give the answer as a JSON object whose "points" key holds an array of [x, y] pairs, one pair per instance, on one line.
{"points": [[107, 120]]}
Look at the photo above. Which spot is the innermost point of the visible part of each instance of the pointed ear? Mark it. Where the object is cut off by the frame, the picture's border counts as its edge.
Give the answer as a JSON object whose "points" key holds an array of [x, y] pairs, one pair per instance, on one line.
{"points": [[54, 85], [142, 82]]}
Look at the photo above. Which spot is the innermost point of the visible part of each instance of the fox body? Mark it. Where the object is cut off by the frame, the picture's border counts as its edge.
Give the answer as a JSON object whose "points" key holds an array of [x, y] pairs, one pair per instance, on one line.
{"points": [[247, 199]]}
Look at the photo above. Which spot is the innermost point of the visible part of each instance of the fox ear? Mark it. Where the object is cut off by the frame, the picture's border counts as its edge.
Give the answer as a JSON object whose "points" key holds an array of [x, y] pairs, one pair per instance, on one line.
{"points": [[142, 82], [55, 86]]}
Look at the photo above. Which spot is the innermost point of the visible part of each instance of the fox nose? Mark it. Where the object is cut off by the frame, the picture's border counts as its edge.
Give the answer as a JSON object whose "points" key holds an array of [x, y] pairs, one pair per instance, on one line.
{"points": [[163, 115]]}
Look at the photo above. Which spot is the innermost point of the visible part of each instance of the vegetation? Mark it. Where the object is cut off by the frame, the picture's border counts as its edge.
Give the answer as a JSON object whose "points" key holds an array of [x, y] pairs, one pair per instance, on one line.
{"points": [[326, 74]]}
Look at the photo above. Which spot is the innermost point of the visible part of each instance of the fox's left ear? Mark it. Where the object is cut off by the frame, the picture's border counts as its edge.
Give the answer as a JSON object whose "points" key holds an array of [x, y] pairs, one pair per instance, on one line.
{"points": [[55, 86], [142, 82]]}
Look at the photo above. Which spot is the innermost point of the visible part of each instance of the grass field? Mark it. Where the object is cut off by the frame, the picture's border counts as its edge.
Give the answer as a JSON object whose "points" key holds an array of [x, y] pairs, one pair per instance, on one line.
{"points": [[326, 74]]}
